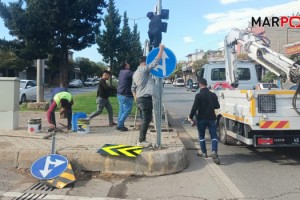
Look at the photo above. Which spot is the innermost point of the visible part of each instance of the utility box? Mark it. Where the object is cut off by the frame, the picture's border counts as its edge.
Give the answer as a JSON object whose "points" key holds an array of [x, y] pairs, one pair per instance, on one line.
{"points": [[9, 103]]}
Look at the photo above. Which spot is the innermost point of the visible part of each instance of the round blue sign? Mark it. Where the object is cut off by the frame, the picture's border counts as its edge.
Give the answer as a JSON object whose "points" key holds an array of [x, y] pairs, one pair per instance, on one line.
{"points": [[49, 167], [167, 64]]}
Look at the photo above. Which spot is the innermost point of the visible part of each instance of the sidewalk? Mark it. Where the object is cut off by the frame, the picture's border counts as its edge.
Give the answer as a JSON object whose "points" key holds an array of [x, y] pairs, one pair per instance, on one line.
{"points": [[19, 149]]}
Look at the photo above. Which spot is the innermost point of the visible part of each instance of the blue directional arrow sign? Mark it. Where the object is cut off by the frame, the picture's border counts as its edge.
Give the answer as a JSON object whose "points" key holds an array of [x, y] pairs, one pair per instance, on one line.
{"points": [[49, 167], [166, 65]]}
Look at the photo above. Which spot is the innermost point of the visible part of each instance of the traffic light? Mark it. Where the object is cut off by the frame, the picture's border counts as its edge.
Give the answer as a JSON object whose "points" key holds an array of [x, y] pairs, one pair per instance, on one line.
{"points": [[164, 27], [164, 14]]}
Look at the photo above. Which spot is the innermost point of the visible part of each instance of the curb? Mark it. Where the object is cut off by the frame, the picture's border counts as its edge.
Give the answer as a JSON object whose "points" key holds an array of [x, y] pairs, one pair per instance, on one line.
{"points": [[148, 163]]}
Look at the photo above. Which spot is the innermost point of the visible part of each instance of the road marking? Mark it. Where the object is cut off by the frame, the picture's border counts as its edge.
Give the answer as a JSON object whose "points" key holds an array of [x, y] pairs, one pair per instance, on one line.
{"points": [[220, 176], [51, 197], [226, 185]]}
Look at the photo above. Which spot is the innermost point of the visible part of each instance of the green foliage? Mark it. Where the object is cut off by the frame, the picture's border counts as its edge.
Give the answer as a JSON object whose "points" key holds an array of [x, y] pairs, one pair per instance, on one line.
{"points": [[87, 67], [198, 64], [109, 39], [86, 102], [53, 27], [118, 45], [177, 72], [296, 58], [269, 77], [136, 49], [9, 60], [130, 47], [125, 41]]}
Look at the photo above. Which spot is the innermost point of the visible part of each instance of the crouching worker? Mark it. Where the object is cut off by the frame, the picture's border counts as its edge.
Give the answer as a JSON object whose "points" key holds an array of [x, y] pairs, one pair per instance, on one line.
{"points": [[65, 101]]}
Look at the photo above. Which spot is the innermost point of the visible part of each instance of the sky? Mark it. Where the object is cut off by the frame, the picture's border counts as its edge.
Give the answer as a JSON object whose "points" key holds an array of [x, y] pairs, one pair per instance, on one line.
{"points": [[193, 25]]}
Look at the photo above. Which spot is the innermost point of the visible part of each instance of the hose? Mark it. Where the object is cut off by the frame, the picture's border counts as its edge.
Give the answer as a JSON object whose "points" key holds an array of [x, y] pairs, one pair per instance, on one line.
{"points": [[294, 102]]}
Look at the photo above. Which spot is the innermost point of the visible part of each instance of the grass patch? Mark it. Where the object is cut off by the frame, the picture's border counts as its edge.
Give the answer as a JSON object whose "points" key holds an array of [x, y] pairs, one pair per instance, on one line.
{"points": [[86, 102]]}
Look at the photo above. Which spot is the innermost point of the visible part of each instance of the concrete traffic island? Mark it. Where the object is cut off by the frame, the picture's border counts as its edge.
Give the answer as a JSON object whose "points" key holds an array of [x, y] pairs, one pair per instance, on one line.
{"points": [[19, 149]]}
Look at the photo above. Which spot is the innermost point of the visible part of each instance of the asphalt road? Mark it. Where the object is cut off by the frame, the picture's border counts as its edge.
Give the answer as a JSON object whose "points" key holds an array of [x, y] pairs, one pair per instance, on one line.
{"points": [[258, 173]]}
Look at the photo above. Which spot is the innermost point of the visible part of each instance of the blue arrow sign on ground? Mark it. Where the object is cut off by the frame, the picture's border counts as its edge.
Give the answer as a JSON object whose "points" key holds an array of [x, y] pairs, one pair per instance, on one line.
{"points": [[166, 65], [49, 167]]}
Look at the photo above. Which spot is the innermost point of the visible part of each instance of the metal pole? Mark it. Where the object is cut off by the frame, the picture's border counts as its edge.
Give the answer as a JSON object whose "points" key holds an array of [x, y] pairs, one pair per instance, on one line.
{"points": [[158, 83], [40, 81], [53, 144]]}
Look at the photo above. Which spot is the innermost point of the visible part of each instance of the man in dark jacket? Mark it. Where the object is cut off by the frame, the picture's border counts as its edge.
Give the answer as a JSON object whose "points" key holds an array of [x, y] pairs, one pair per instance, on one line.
{"points": [[125, 96], [102, 98], [205, 104]]}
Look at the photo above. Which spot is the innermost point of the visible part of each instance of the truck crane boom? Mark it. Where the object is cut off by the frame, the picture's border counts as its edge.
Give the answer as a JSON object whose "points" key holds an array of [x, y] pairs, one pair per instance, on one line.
{"points": [[256, 49]]}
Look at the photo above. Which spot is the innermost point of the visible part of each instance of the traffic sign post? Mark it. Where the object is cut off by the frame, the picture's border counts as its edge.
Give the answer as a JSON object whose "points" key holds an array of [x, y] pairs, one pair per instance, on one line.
{"points": [[49, 167], [165, 68]]}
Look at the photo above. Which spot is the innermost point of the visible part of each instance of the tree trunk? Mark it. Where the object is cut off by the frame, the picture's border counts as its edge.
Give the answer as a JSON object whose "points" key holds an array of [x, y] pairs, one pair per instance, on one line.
{"points": [[63, 66], [111, 70]]}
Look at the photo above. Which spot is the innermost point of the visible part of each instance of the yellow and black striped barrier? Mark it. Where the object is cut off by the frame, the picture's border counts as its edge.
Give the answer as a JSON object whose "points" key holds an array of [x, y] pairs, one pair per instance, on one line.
{"points": [[120, 150], [63, 179]]}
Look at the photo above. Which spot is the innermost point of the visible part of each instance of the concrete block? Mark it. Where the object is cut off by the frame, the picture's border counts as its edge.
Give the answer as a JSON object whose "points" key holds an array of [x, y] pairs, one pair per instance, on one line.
{"points": [[120, 165], [28, 157], [84, 160], [9, 159], [142, 163], [38, 106], [176, 160]]}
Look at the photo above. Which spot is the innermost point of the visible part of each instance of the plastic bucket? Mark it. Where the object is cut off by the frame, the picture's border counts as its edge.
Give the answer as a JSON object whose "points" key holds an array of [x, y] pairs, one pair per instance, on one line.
{"points": [[83, 126], [34, 125], [75, 118]]}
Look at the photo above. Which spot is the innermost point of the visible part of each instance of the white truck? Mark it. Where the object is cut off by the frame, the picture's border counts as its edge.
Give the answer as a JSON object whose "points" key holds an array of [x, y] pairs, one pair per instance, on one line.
{"points": [[263, 118]]}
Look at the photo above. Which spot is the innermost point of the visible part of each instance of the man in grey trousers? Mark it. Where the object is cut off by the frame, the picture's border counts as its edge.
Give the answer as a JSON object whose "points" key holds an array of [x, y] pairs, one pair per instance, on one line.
{"points": [[142, 90]]}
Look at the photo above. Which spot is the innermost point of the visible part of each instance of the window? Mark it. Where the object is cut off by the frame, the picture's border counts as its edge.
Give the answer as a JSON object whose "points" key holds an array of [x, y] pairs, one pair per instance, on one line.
{"points": [[244, 74], [218, 74]]}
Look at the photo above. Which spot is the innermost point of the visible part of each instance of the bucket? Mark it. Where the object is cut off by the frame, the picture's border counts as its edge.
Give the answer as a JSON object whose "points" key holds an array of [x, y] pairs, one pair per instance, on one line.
{"points": [[34, 125], [75, 118], [83, 126]]}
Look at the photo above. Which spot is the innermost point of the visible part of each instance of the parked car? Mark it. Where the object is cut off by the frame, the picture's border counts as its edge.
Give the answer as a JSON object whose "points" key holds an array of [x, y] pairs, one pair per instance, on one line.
{"points": [[266, 86], [168, 81], [294, 87], [27, 91], [75, 83], [90, 82], [179, 82]]}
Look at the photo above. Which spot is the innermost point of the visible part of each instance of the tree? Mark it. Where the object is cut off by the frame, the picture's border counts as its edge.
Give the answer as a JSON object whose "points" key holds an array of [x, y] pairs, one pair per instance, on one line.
{"points": [[109, 39], [53, 27], [136, 48], [269, 77], [130, 47], [87, 67], [9, 61], [198, 64], [125, 42]]}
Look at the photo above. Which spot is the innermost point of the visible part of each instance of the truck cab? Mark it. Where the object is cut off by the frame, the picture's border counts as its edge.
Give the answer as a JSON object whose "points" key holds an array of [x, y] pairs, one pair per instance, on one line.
{"points": [[215, 72]]}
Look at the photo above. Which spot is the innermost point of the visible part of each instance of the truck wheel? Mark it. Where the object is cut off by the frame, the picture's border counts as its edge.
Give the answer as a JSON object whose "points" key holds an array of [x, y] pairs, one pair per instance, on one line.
{"points": [[222, 131]]}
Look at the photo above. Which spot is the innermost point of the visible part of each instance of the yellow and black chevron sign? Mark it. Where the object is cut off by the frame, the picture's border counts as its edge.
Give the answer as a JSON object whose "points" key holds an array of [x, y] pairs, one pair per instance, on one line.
{"points": [[62, 180], [120, 150]]}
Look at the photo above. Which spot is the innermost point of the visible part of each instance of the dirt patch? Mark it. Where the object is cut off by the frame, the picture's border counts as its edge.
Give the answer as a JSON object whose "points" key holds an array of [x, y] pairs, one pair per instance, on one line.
{"points": [[4, 145]]}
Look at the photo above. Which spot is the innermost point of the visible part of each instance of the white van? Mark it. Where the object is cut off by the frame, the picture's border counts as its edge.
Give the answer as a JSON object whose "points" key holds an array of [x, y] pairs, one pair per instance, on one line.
{"points": [[214, 72]]}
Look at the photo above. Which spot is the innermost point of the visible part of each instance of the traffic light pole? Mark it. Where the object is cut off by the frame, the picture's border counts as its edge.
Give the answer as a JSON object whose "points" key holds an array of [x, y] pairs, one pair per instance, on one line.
{"points": [[158, 100]]}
